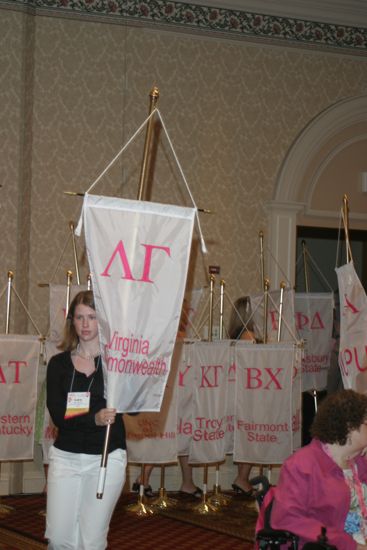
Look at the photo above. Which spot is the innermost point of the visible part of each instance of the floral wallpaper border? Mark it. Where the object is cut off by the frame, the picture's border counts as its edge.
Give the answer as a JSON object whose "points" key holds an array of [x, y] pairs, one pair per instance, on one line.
{"points": [[233, 23]]}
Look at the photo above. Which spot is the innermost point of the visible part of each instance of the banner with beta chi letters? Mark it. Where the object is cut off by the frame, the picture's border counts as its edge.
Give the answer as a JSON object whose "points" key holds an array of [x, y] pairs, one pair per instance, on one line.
{"points": [[19, 356], [353, 329], [267, 412], [210, 362], [138, 255], [314, 323], [151, 437]]}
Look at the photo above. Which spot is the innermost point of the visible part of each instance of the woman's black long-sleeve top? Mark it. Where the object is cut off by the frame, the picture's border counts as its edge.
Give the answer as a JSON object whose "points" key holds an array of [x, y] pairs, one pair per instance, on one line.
{"points": [[79, 434]]}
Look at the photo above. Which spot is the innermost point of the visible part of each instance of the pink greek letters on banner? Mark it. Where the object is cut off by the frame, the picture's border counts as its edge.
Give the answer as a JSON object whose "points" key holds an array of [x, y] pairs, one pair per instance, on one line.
{"points": [[268, 402], [210, 361], [138, 254], [19, 358], [314, 323], [353, 329]]}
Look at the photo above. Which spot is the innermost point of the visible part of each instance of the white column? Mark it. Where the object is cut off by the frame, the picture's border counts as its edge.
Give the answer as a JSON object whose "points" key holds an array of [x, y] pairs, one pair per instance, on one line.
{"points": [[281, 239]]}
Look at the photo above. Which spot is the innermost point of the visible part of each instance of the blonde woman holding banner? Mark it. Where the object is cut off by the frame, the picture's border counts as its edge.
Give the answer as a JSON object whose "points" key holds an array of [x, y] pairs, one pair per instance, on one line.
{"points": [[76, 519]]}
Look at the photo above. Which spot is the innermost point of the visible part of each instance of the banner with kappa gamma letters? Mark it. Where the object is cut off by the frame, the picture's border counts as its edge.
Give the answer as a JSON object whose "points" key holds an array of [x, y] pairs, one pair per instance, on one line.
{"points": [[314, 323], [353, 329], [210, 362], [138, 255], [19, 357], [267, 412]]}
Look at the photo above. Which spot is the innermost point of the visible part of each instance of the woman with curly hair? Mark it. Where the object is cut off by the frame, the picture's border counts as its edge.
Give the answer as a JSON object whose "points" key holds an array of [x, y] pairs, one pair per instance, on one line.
{"points": [[325, 483]]}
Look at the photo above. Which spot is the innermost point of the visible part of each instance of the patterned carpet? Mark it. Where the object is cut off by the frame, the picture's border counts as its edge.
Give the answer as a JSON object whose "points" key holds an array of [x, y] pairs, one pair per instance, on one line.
{"points": [[181, 528]]}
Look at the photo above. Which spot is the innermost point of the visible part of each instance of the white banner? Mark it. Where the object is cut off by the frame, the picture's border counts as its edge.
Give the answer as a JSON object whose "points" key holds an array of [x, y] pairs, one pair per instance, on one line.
{"points": [[58, 294], [314, 322], [151, 437], [138, 255], [210, 362], [353, 329], [266, 411], [19, 357], [185, 392], [287, 331]]}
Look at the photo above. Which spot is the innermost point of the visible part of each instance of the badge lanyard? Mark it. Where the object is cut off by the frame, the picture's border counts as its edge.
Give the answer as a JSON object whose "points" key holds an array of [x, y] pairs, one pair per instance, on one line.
{"points": [[77, 402]]}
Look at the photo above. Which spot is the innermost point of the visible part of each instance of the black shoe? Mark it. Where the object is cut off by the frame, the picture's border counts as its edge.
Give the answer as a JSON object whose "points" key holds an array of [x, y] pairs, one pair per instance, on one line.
{"points": [[148, 491]]}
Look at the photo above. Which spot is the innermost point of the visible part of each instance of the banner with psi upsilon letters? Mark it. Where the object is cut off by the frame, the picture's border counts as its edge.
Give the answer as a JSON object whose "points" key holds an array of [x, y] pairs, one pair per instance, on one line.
{"points": [[210, 361], [353, 329], [151, 437], [314, 323], [267, 412], [138, 255], [19, 357]]}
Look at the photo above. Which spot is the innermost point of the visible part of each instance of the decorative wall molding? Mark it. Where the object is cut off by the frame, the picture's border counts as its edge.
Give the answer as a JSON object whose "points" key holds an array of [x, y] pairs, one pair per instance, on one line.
{"points": [[230, 23]]}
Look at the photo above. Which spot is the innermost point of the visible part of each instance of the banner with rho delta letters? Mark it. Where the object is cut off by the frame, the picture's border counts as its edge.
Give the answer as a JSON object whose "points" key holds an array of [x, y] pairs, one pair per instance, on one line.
{"points": [[314, 323], [19, 357], [58, 294], [266, 411], [210, 362], [353, 329], [138, 254]]}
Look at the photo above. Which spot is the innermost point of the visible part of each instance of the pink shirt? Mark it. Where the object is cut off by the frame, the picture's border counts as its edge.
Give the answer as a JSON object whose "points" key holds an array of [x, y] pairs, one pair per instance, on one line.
{"points": [[312, 493]]}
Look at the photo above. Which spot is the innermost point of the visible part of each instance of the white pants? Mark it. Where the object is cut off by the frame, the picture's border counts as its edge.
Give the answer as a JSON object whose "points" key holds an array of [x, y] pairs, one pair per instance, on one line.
{"points": [[76, 519]]}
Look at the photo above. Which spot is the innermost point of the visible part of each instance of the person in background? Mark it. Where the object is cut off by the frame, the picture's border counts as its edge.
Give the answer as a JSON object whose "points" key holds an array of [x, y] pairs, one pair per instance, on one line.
{"points": [[241, 327], [75, 518], [325, 483]]}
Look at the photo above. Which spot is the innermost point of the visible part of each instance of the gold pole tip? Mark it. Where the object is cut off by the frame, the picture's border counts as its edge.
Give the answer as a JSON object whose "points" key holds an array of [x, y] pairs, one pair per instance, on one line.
{"points": [[154, 92], [69, 273], [71, 225], [266, 284], [10, 274], [222, 282], [282, 284], [261, 233]]}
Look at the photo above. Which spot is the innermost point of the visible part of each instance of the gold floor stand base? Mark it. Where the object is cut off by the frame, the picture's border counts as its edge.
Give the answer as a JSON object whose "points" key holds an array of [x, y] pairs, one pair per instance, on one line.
{"points": [[140, 509], [205, 507], [219, 499], [4, 510], [163, 502]]}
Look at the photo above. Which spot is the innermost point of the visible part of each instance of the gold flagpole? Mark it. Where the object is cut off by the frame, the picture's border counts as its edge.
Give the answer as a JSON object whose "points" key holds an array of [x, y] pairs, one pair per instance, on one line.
{"points": [[262, 262], [3, 508], [282, 287], [346, 227], [72, 227], [140, 509], [221, 309], [305, 266], [211, 305], [266, 305]]}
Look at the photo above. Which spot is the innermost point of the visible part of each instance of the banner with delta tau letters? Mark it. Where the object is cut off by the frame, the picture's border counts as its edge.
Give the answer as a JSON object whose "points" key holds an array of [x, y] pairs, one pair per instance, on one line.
{"points": [[138, 254], [267, 413], [210, 360], [353, 329], [314, 322], [19, 357]]}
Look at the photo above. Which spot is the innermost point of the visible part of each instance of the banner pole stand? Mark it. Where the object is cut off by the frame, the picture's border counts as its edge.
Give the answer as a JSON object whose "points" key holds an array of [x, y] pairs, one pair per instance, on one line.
{"points": [[205, 507], [139, 508], [163, 501], [218, 498], [3, 508]]}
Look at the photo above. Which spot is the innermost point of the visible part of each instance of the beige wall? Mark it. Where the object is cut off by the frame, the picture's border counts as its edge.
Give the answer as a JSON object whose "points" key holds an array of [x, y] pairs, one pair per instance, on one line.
{"points": [[75, 90]]}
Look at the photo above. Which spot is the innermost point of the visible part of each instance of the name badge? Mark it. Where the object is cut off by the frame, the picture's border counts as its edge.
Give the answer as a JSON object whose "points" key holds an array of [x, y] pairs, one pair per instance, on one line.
{"points": [[77, 404]]}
